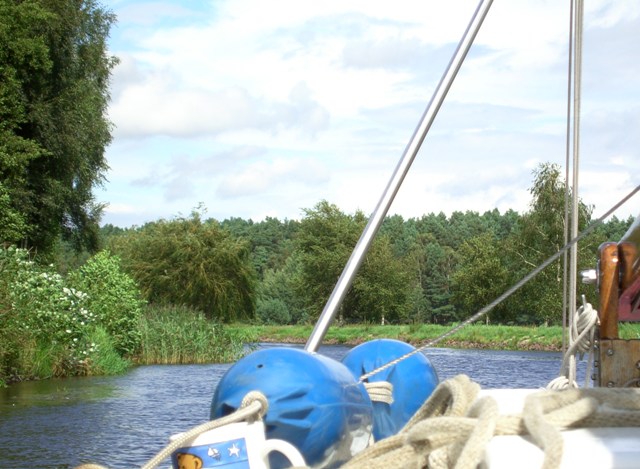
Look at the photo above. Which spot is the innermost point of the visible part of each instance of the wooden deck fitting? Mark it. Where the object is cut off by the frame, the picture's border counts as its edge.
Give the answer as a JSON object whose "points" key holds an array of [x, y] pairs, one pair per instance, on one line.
{"points": [[619, 363], [609, 289], [629, 301]]}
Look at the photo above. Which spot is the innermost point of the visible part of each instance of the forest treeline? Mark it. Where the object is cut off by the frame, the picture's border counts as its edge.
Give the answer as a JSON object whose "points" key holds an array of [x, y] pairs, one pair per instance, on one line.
{"points": [[433, 269]]}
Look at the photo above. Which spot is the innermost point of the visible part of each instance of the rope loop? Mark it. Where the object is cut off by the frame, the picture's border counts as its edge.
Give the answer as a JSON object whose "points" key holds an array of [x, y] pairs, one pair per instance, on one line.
{"points": [[581, 339], [454, 426], [253, 397], [380, 391], [586, 319]]}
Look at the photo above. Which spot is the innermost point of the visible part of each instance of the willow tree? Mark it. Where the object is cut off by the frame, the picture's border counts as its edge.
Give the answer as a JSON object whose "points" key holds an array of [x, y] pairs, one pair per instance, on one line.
{"points": [[188, 262], [54, 77]]}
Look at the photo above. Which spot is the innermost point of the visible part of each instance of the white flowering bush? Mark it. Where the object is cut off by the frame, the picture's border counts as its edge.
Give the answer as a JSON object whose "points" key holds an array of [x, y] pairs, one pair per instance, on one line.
{"points": [[52, 325], [38, 306]]}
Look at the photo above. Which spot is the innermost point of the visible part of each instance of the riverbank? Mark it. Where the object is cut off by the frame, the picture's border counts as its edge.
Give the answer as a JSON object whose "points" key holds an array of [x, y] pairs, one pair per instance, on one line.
{"points": [[475, 336]]}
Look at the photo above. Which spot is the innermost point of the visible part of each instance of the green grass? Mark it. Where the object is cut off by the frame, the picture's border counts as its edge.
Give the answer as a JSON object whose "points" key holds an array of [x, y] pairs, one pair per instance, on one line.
{"points": [[482, 336], [106, 361], [39, 360]]}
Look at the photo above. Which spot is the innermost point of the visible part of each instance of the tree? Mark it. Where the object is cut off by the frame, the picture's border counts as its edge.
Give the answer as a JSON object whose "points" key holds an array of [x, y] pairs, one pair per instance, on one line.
{"points": [[187, 262], [502, 225], [481, 277], [270, 240], [434, 252], [54, 76], [401, 234], [278, 294], [540, 235], [325, 241], [613, 230], [384, 287], [381, 288], [13, 224], [437, 263]]}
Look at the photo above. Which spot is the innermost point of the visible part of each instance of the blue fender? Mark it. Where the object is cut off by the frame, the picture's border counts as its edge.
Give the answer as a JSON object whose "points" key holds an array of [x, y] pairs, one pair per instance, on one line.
{"points": [[314, 402], [413, 380]]}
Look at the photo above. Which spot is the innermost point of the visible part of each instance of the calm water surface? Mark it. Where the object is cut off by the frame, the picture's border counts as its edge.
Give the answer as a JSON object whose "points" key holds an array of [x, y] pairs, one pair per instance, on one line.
{"points": [[123, 421]]}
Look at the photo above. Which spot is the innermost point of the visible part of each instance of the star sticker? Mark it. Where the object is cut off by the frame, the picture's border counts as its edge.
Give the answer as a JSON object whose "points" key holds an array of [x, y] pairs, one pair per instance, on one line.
{"points": [[234, 451]]}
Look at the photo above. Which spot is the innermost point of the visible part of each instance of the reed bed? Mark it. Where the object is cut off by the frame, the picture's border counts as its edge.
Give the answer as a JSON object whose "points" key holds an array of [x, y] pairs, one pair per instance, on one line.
{"points": [[179, 335]]}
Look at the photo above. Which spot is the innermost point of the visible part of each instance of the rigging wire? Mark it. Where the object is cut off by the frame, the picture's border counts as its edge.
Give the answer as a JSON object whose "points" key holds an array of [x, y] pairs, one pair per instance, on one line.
{"points": [[507, 293], [567, 162]]}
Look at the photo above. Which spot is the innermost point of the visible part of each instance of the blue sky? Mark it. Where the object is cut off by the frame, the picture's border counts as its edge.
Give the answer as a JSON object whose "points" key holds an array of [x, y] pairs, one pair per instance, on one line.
{"points": [[254, 109]]}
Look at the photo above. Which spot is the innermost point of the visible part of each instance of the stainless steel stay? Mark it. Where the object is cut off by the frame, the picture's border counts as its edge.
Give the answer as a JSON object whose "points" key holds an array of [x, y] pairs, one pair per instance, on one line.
{"points": [[410, 152]]}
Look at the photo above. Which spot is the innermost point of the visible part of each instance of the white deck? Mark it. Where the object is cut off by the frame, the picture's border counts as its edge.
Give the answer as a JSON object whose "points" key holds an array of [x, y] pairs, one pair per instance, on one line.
{"points": [[600, 448]]}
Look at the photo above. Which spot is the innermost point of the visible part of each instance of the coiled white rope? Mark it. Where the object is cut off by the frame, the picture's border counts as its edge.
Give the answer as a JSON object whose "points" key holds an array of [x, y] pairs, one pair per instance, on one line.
{"points": [[581, 341], [380, 391], [453, 427]]}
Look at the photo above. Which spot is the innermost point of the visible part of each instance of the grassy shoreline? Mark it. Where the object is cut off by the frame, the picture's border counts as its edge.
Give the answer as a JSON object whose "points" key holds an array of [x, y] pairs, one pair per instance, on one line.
{"points": [[478, 336], [475, 336]]}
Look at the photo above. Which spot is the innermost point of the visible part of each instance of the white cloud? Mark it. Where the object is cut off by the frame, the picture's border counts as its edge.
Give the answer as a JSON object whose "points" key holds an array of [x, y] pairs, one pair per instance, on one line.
{"points": [[266, 108], [263, 175], [118, 209]]}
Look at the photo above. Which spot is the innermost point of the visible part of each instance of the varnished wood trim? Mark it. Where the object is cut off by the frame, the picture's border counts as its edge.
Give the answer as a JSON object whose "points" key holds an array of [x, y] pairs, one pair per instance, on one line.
{"points": [[609, 289]]}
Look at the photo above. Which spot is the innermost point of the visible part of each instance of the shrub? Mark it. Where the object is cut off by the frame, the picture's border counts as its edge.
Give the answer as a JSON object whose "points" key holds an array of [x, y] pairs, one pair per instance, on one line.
{"points": [[114, 299], [273, 311]]}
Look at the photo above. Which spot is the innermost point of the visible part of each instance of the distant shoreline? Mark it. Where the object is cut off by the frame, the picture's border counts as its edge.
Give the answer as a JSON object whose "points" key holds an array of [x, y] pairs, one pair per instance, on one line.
{"points": [[444, 344], [479, 336]]}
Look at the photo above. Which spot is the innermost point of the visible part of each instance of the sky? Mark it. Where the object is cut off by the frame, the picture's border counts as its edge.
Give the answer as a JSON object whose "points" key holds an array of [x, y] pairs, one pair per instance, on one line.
{"points": [[254, 109]]}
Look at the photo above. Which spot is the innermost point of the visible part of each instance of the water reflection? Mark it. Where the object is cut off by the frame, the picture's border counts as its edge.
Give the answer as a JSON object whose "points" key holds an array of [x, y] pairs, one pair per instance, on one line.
{"points": [[57, 392], [123, 421]]}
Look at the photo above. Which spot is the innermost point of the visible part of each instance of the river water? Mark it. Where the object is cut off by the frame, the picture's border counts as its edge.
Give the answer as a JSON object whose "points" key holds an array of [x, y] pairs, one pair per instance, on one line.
{"points": [[123, 421]]}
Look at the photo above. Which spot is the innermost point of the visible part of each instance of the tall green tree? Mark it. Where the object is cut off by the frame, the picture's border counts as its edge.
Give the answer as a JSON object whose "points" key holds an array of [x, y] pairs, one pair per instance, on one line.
{"points": [[325, 240], [279, 301], [54, 77], [437, 264], [187, 262], [482, 275], [385, 287], [540, 235], [434, 251]]}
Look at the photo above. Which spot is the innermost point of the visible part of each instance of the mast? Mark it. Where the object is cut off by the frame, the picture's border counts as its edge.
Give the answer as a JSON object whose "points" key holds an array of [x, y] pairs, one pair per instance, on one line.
{"points": [[410, 152], [572, 168]]}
